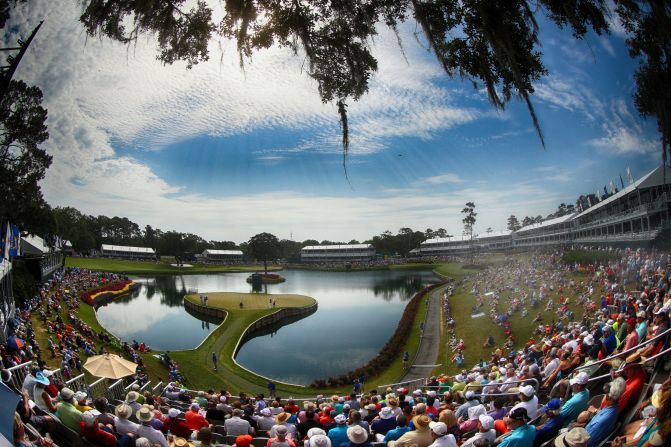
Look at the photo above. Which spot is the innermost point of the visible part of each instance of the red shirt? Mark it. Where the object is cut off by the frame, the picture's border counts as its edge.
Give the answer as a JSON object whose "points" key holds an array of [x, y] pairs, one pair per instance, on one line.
{"points": [[195, 420], [97, 436], [176, 427]]}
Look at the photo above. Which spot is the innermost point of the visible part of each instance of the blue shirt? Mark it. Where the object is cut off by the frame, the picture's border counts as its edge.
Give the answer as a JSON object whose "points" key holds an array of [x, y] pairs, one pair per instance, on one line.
{"points": [[549, 430], [572, 408], [393, 435], [610, 343], [521, 437], [338, 435], [642, 330], [601, 425]]}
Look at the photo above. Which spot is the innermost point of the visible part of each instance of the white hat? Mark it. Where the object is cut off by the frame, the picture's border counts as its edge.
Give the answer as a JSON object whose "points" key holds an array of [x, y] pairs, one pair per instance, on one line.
{"points": [[386, 413], [266, 412], [580, 379], [357, 434], [319, 441], [486, 421], [340, 419], [431, 393], [67, 393], [417, 392], [469, 395], [173, 413], [88, 418], [589, 340], [80, 396], [439, 428], [314, 431], [527, 390]]}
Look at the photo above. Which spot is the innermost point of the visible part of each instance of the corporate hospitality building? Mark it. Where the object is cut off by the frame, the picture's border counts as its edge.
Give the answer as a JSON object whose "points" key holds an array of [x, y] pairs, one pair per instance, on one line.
{"points": [[338, 253], [126, 252], [638, 215], [221, 256]]}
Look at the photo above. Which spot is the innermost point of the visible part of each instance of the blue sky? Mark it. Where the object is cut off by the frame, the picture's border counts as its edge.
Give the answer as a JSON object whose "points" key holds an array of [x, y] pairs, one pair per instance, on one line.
{"points": [[227, 154]]}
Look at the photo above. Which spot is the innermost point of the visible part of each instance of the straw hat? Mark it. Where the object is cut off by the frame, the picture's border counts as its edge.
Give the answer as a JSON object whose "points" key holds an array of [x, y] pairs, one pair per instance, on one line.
{"points": [[144, 414], [282, 417], [181, 442], [123, 411], [132, 396], [421, 422], [577, 437]]}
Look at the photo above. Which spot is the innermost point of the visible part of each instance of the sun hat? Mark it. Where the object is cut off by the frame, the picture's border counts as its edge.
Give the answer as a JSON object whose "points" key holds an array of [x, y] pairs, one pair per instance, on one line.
{"points": [[319, 441], [386, 413], [144, 414], [340, 419], [417, 393], [576, 437], [421, 421], [527, 390], [173, 413], [580, 379], [357, 434], [314, 431], [67, 393], [243, 441], [486, 421], [656, 398], [88, 418], [266, 412], [282, 417], [194, 407], [588, 340], [132, 396], [439, 428], [181, 442], [40, 378], [80, 396], [122, 410], [469, 395], [281, 430], [392, 402]]}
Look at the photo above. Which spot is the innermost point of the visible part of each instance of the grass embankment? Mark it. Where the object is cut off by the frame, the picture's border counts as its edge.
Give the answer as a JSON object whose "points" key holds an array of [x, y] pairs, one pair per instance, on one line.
{"points": [[475, 330], [157, 267], [155, 369]]}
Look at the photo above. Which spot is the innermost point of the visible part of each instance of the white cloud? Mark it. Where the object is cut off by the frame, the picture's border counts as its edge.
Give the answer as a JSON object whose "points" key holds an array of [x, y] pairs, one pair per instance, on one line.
{"points": [[623, 133], [450, 177]]}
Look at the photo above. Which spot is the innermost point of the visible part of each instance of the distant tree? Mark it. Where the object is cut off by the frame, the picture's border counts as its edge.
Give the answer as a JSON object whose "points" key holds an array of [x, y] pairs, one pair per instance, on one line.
{"points": [[441, 232], [489, 230], [289, 249], [353, 242], [469, 218], [513, 223], [429, 234], [308, 242], [263, 247], [528, 221], [23, 163], [539, 219]]}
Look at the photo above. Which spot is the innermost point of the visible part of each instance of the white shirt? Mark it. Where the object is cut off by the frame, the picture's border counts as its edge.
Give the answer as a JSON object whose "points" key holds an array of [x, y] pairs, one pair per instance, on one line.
{"points": [[445, 441], [531, 406], [489, 435], [154, 436], [550, 367], [123, 426]]}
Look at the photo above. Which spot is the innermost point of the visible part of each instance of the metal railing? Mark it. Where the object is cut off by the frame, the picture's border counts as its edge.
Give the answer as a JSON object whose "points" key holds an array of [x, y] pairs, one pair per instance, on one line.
{"points": [[116, 390], [77, 383], [130, 385], [623, 353], [19, 373], [157, 390], [146, 386], [98, 388], [497, 385]]}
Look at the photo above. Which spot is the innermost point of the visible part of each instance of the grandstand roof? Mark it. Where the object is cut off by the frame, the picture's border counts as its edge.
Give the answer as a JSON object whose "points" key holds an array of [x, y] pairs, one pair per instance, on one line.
{"points": [[127, 249], [493, 234], [336, 247], [442, 240], [652, 178], [33, 245], [547, 223], [222, 252]]}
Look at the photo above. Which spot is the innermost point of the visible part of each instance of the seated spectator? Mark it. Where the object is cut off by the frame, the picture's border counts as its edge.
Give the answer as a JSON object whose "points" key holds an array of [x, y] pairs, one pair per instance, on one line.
{"points": [[448, 417], [243, 441], [203, 438], [131, 400], [603, 421], [174, 426], [265, 420], [471, 401], [554, 422], [528, 401], [42, 398], [81, 401], [421, 435], [194, 420], [338, 434], [282, 438], [440, 436], [522, 434], [655, 416], [576, 437], [92, 432], [395, 433], [66, 411], [282, 420], [216, 412], [318, 440], [121, 423], [635, 380], [144, 415], [236, 426], [485, 431], [472, 422], [21, 438], [354, 418], [383, 422], [357, 436], [105, 418], [578, 401], [301, 430]]}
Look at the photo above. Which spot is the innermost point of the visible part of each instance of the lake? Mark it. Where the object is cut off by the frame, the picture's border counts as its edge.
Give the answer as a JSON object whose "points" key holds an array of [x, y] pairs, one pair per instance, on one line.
{"points": [[357, 313]]}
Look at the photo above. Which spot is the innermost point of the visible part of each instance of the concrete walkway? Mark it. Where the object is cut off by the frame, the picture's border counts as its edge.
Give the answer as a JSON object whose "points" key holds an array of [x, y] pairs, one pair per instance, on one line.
{"points": [[429, 345]]}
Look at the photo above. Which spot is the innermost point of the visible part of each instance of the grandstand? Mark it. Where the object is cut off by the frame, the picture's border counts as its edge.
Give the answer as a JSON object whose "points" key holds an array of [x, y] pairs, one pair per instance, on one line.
{"points": [[550, 232], [221, 256], [125, 252], [445, 246], [334, 253], [7, 306], [40, 259], [495, 240]]}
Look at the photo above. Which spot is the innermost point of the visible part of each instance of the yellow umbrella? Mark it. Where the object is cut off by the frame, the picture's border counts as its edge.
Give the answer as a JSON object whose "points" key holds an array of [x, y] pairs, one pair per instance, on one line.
{"points": [[110, 366]]}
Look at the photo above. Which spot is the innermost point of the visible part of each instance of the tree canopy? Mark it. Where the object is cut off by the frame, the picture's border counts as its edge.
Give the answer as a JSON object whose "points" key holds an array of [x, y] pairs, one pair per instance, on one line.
{"points": [[492, 43], [263, 247]]}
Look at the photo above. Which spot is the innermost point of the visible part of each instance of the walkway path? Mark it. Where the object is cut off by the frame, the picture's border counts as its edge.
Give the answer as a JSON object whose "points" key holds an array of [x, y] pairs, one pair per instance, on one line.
{"points": [[429, 344]]}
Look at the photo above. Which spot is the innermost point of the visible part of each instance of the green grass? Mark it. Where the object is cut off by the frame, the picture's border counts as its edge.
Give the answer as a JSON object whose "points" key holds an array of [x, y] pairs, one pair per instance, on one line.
{"points": [[156, 267]]}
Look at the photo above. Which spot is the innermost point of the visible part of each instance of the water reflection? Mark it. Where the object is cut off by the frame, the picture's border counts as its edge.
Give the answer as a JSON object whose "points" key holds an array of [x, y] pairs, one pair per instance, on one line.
{"points": [[357, 313]]}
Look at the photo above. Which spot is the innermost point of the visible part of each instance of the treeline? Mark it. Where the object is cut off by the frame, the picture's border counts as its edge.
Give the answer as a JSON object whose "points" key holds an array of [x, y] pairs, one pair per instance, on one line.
{"points": [[86, 233]]}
